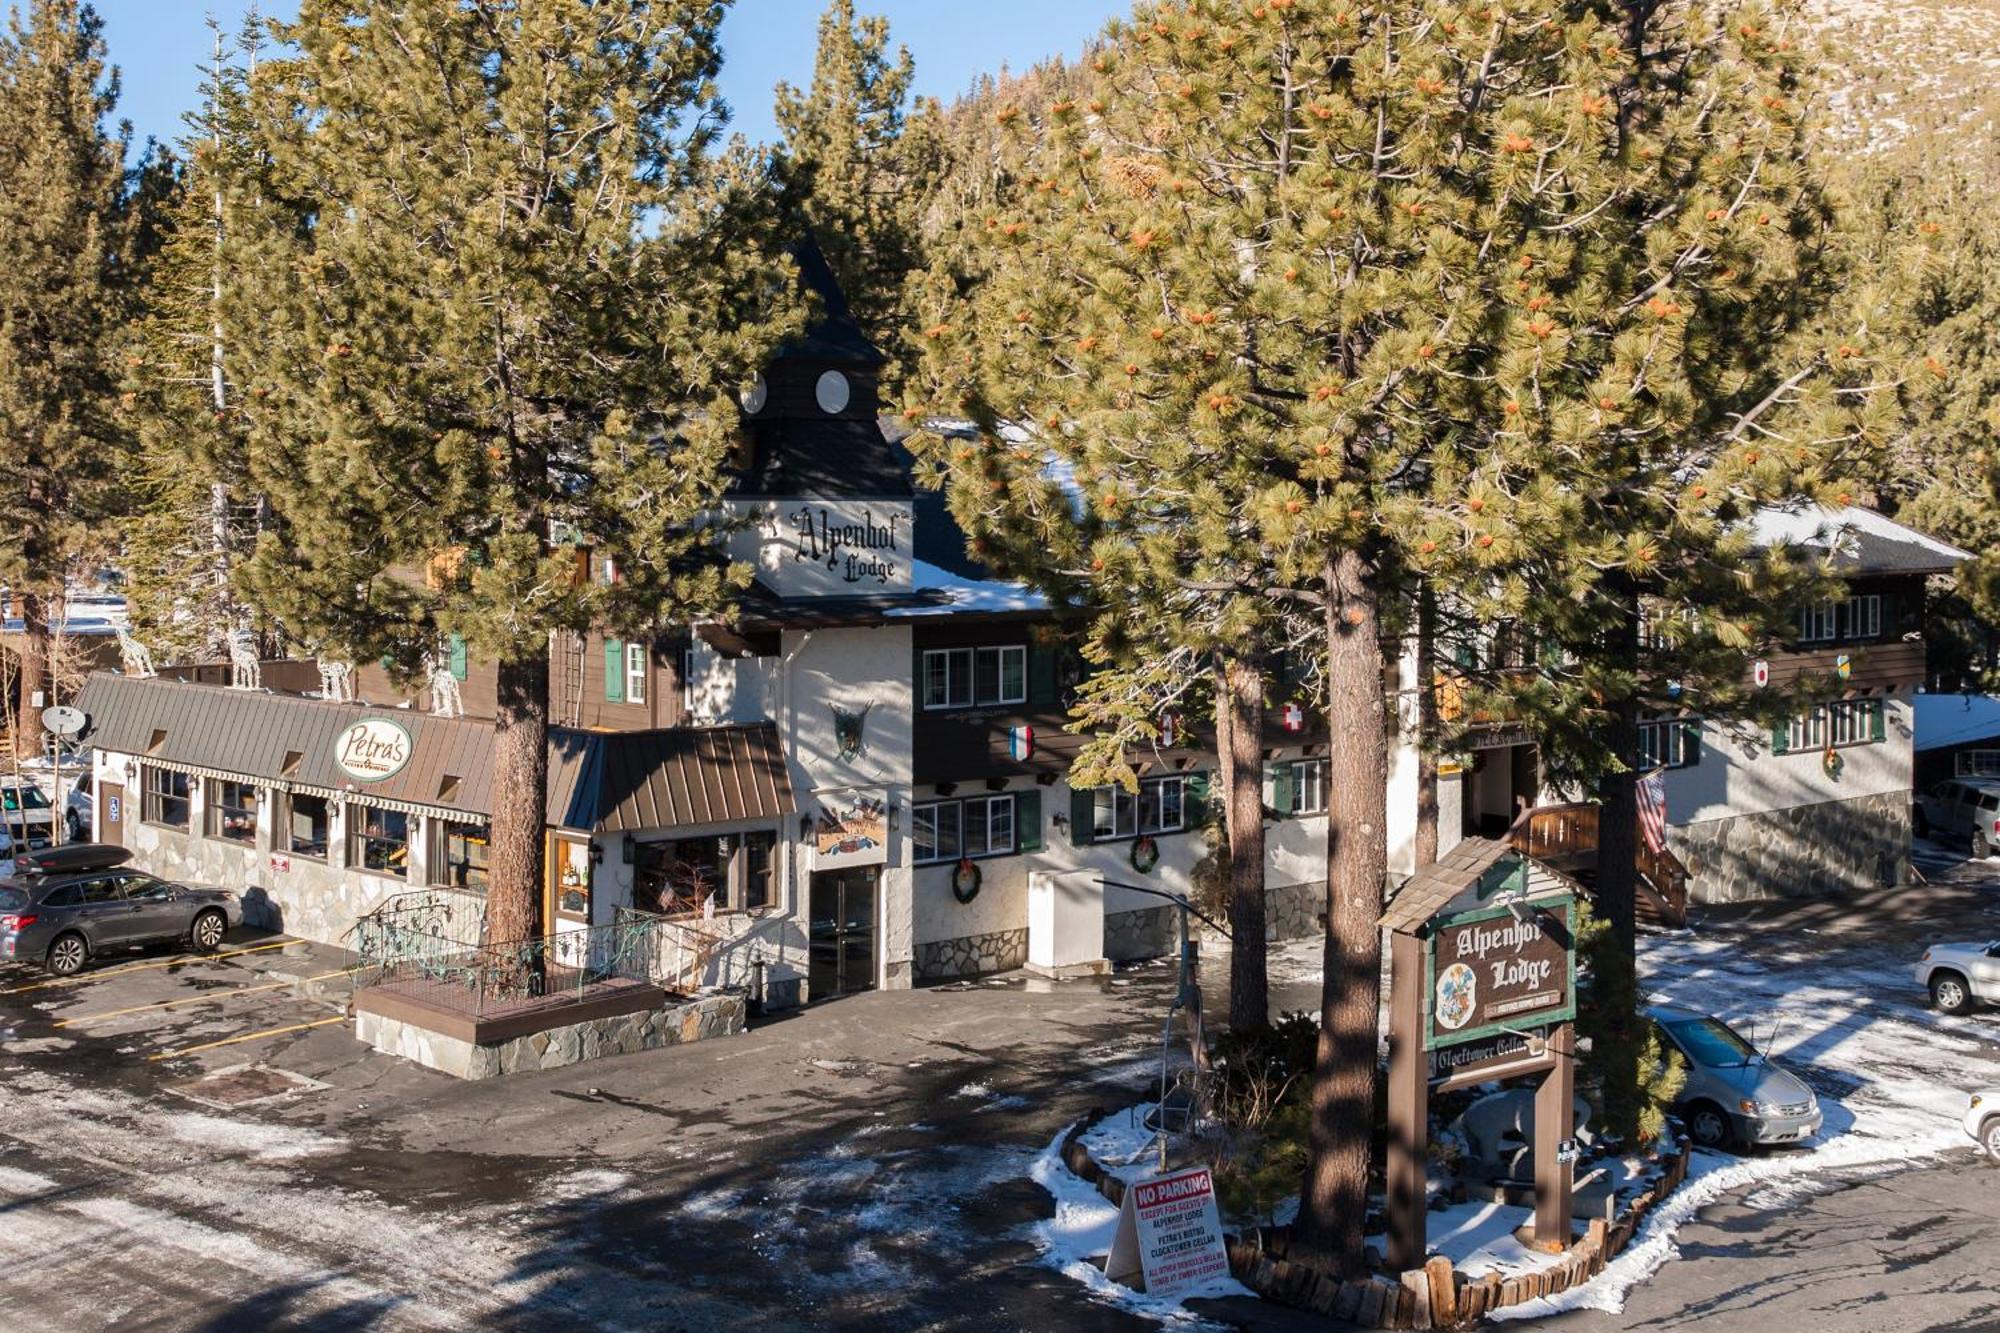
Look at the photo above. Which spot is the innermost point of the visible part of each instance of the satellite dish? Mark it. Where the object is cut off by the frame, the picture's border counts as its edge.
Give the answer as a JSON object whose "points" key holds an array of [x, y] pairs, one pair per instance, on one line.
{"points": [[64, 720]]}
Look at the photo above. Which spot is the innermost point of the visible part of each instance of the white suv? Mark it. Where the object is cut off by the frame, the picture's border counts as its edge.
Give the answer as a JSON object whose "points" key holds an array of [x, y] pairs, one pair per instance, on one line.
{"points": [[1967, 808], [1960, 975], [1982, 1121]]}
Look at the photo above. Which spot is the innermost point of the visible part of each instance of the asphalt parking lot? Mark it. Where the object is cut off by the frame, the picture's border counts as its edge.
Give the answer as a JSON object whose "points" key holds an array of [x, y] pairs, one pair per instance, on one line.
{"points": [[169, 1006]]}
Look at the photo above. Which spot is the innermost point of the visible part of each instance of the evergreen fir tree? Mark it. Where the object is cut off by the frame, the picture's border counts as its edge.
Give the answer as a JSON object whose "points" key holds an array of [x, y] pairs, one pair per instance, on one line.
{"points": [[192, 513], [857, 170], [1510, 298], [528, 292], [66, 259]]}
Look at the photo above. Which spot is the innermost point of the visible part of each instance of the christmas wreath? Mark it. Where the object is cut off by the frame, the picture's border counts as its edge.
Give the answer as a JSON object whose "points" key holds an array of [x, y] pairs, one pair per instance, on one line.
{"points": [[1832, 762], [965, 878], [1145, 854]]}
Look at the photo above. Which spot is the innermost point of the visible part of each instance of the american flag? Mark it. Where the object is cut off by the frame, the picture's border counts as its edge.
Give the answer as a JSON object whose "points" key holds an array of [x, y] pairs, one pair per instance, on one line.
{"points": [[1653, 811]]}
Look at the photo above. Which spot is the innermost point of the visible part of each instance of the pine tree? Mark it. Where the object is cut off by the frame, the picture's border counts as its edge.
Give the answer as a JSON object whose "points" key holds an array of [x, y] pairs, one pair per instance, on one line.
{"points": [[192, 513], [1508, 299], [66, 255], [857, 170], [528, 292]]}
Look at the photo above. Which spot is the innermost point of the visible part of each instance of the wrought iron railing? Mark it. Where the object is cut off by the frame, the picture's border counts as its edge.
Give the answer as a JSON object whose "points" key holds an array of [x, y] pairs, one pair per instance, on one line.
{"points": [[680, 948], [495, 980], [429, 922]]}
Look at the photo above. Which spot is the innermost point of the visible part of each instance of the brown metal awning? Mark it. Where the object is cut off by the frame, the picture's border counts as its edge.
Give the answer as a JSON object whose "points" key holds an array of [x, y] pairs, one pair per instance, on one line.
{"points": [[598, 781]]}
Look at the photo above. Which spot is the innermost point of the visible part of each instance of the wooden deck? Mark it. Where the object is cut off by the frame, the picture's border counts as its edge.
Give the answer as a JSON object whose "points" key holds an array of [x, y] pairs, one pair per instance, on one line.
{"points": [[1566, 838]]}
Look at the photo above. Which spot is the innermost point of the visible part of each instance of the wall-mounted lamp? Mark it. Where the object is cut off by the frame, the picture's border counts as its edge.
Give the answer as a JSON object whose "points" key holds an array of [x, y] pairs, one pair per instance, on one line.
{"points": [[805, 827], [1061, 821], [895, 816], [596, 853], [724, 845], [628, 849]]}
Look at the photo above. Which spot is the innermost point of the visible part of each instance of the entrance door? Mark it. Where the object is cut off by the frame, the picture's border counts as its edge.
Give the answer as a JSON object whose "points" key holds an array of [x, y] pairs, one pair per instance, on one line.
{"points": [[111, 815], [841, 937]]}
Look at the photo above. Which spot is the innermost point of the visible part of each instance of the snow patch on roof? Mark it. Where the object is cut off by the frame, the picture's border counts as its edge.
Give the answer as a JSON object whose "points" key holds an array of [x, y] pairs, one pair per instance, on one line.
{"points": [[1842, 529], [964, 594], [1954, 719]]}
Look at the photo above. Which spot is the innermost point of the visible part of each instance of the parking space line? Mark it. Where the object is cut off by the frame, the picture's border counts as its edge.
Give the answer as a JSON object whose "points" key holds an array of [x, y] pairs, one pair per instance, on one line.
{"points": [[197, 999], [248, 1036], [82, 977]]}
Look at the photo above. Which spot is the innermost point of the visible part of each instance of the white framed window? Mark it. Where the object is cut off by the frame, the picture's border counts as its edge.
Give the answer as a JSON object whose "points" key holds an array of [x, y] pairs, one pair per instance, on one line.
{"points": [[1160, 806], [1819, 623], [1841, 724], [232, 810], [1669, 743], [975, 677], [638, 660], [934, 831], [1861, 617], [1309, 786], [989, 826], [687, 682]]}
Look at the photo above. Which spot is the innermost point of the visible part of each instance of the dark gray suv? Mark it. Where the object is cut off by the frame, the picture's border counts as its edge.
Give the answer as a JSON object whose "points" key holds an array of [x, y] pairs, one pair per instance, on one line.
{"points": [[64, 905]]}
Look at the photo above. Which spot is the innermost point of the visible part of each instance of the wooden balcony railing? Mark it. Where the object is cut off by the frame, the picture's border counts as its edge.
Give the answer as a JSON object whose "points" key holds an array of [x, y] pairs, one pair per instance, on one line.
{"points": [[1566, 837]]}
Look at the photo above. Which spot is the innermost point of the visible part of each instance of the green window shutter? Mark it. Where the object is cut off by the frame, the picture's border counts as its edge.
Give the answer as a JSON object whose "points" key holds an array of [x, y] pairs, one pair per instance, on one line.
{"points": [[1041, 675], [1781, 737], [1878, 729], [1028, 821], [1082, 816], [614, 671], [1283, 799], [1690, 743], [455, 650], [1194, 800]]}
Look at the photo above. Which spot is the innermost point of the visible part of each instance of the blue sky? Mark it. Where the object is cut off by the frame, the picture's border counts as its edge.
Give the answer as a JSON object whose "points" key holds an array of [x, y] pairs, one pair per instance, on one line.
{"points": [[157, 44]]}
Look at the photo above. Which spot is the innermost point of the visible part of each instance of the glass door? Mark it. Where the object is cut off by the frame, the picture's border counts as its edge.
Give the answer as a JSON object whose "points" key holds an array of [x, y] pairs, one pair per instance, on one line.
{"points": [[841, 931]]}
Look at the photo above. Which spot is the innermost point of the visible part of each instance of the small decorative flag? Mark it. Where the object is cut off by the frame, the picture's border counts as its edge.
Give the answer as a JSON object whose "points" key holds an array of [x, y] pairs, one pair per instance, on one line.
{"points": [[1020, 744], [1170, 729], [1294, 718], [1844, 665], [1761, 673]]}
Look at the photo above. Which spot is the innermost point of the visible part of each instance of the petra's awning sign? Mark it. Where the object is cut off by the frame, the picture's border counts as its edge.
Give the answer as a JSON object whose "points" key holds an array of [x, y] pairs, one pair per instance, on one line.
{"points": [[1500, 971], [372, 750], [1169, 1234]]}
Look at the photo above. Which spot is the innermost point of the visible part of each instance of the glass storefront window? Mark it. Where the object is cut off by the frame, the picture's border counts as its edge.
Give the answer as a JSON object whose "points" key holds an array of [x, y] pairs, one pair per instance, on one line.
{"points": [[380, 841], [232, 810], [306, 829]]}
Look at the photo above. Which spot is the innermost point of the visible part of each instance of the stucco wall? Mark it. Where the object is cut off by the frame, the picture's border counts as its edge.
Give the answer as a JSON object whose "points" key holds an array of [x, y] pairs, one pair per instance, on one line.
{"points": [[1739, 775]]}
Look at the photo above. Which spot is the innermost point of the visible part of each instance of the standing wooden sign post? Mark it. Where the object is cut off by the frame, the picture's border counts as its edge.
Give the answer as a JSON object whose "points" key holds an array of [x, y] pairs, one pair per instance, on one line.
{"points": [[1482, 987]]}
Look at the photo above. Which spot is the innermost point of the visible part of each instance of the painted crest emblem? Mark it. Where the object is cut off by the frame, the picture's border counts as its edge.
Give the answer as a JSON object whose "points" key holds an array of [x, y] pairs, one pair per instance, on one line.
{"points": [[1761, 673], [1294, 718], [849, 730]]}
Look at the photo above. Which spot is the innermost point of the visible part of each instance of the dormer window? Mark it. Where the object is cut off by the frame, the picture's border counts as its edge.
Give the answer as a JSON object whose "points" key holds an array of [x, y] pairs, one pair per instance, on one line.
{"points": [[833, 393]]}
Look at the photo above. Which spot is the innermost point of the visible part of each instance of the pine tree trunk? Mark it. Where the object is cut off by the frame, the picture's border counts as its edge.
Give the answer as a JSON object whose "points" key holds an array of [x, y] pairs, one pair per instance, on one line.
{"points": [[1243, 776], [1617, 883], [1427, 729], [34, 673], [1335, 1201], [520, 798]]}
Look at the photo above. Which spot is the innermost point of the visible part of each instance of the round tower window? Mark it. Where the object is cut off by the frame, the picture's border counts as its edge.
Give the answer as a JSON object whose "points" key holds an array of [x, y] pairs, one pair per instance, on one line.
{"points": [[756, 396], [832, 392]]}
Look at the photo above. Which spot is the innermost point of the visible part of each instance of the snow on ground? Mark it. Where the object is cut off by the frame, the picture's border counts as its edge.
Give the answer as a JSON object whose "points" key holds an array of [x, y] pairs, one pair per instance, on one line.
{"points": [[1845, 1014]]}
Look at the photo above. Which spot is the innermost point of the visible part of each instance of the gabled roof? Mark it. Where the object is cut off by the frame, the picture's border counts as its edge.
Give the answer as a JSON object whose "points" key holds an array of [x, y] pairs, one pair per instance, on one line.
{"points": [[1860, 541], [1427, 892]]}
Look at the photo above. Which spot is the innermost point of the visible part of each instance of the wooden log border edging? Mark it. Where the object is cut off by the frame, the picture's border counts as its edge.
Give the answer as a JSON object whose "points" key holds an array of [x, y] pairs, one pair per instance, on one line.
{"points": [[1434, 1296]]}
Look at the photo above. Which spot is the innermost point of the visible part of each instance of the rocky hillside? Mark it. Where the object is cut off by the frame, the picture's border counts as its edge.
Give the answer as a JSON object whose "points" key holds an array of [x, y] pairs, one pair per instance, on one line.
{"points": [[1914, 82]]}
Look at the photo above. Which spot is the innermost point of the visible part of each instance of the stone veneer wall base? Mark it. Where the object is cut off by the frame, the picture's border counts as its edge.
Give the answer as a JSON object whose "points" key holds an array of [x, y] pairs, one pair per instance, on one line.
{"points": [[972, 955], [1808, 851], [627, 1034]]}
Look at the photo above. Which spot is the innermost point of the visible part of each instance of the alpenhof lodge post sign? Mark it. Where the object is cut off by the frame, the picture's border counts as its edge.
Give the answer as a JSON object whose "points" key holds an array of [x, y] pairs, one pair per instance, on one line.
{"points": [[1483, 988]]}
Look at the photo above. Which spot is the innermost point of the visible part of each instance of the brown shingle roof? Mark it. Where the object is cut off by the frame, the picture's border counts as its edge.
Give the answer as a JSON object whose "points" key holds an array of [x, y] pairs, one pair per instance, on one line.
{"points": [[597, 780], [1438, 883]]}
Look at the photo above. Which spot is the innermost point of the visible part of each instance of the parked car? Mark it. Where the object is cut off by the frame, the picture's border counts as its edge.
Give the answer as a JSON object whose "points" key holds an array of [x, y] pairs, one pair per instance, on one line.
{"points": [[65, 905], [1959, 976], [1982, 1121], [29, 816], [1967, 808], [1734, 1094]]}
